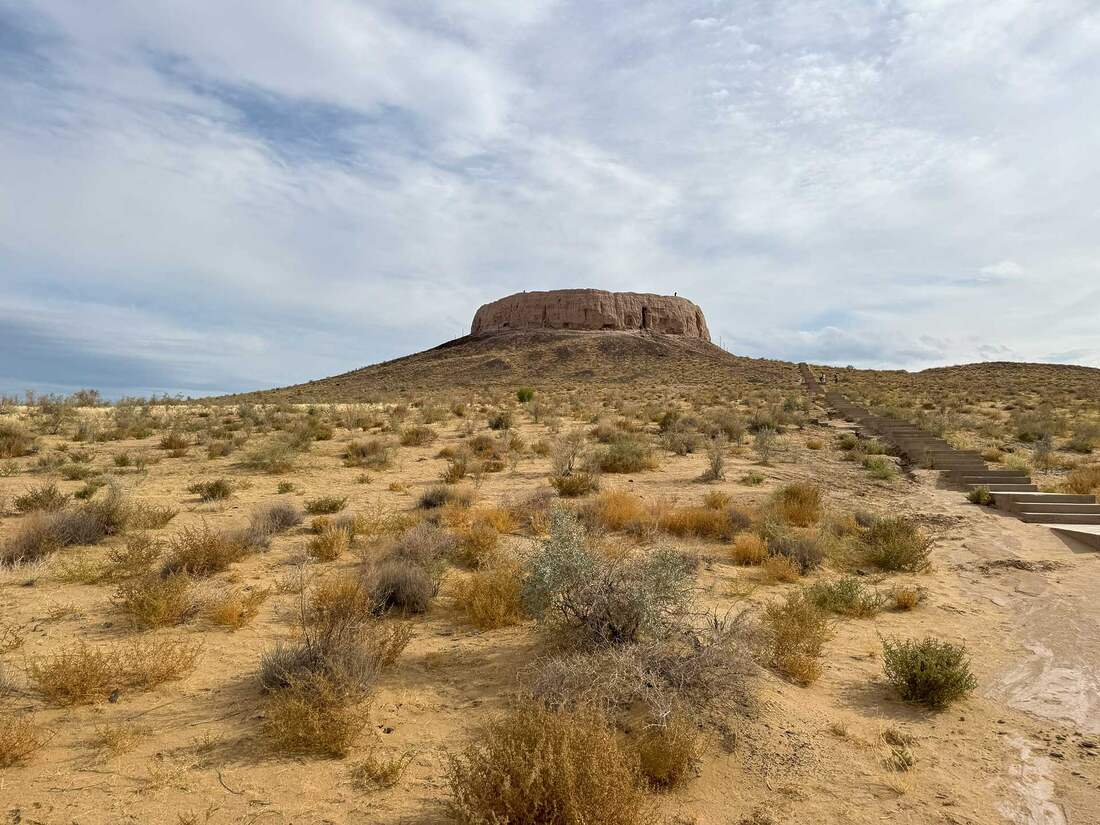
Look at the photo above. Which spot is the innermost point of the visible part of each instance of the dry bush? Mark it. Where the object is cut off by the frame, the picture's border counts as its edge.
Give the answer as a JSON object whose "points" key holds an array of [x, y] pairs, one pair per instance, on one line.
{"points": [[153, 601], [626, 456], [797, 632], [1083, 480], [134, 558], [314, 714], [275, 455], [798, 504], [10, 638], [492, 597], [705, 672], [617, 510], [326, 505], [716, 460], [896, 544], [20, 738], [202, 551], [402, 584], [267, 520], [83, 674], [906, 598], [477, 544], [804, 549], [111, 740], [847, 597], [540, 766], [748, 549], [43, 533], [329, 544], [932, 672], [173, 440], [217, 490], [669, 754], [146, 516], [439, 495], [376, 772], [417, 436], [234, 608], [45, 498], [698, 522], [15, 439], [578, 483], [374, 454], [591, 598]]}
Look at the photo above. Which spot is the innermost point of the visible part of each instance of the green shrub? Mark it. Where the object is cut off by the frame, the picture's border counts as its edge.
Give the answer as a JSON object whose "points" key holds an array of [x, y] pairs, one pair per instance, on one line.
{"points": [[417, 436], [524, 394], [880, 467], [896, 544], [932, 672], [593, 598], [325, 504], [45, 498], [374, 454], [217, 490], [625, 456], [501, 420], [980, 495], [846, 596], [577, 483]]}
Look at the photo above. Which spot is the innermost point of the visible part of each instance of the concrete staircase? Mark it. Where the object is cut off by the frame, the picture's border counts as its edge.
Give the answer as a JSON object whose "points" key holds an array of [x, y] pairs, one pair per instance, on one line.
{"points": [[1013, 491]]}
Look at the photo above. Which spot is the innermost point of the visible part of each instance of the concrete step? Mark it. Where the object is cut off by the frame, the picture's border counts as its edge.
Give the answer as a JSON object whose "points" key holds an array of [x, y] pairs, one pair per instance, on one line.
{"points": [[1025, 499], [1078, 509], [1087, 535], [1007, 488], [970, 477], [1059, 518]]}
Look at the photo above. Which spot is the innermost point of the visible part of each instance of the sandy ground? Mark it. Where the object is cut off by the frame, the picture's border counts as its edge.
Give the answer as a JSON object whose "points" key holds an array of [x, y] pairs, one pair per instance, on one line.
{"points": [[1024, 749]]}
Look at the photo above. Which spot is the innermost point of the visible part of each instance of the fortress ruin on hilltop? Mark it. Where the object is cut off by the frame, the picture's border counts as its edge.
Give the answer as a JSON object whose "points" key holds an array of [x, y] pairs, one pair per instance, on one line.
{"points": [[592, 309]]}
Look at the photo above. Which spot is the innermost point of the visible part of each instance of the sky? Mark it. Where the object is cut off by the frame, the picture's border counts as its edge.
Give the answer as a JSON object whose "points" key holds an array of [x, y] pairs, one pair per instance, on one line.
{"points": [[201, 197]]}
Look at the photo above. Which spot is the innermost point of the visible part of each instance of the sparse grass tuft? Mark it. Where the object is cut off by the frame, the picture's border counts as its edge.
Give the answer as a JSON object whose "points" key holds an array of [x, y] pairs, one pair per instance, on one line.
{"points": [[20, 738], [780, 569], [932, 672], [233, 608], [749, 549], [798, 504]]}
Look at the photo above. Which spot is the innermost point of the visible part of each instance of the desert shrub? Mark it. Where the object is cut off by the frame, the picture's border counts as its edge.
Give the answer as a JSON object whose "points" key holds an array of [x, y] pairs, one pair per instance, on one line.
{"points": [[879, 467], [492, 597], [780, 569], [329, 544], [202, 551], [234, 607], [846, 596], [804, 549], [314, 714], [896, 544], [578, 483], [15, 439], [596, 599], [980, 495], [749, 549], [153, 601], [82, 674], [524, 394], [814, 443], [680, 440], [375, 772], [764, 444], [323, 505], [77, 472], [273, 455], [135, 557], [797, 631], [476, 543], [43, 533], [616, 510], [542, 766], [1083, 480], [220, 448], [697, 522], [417, 436], [752, 479], [798, 503], [1085, 438], [438, 495], [906, 598], [932, 672], [501, 420], [275, 517], [625, 456], [402, 584], [146, 516], [716, 460], [173, 440], [44, 498], [705, 671], [217, 490], [669, 753], [284, 487], [20, 738]]}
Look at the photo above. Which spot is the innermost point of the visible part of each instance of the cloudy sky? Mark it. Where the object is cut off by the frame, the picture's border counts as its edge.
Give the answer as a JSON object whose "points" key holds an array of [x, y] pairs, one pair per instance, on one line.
{"points": [[202, 196]]}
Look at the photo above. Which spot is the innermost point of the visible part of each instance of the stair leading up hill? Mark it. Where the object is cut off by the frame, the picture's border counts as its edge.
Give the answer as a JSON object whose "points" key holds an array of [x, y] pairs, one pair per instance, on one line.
{"points": [[1076, 516]]}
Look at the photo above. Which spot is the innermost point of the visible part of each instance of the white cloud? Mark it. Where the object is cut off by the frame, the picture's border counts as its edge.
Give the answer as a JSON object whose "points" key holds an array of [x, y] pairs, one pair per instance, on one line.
{"points": [[846, 179]]}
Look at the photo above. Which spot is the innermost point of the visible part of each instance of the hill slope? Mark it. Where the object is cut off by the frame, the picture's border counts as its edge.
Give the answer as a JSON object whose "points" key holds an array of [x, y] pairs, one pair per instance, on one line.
{"points": [[547, 359]]}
